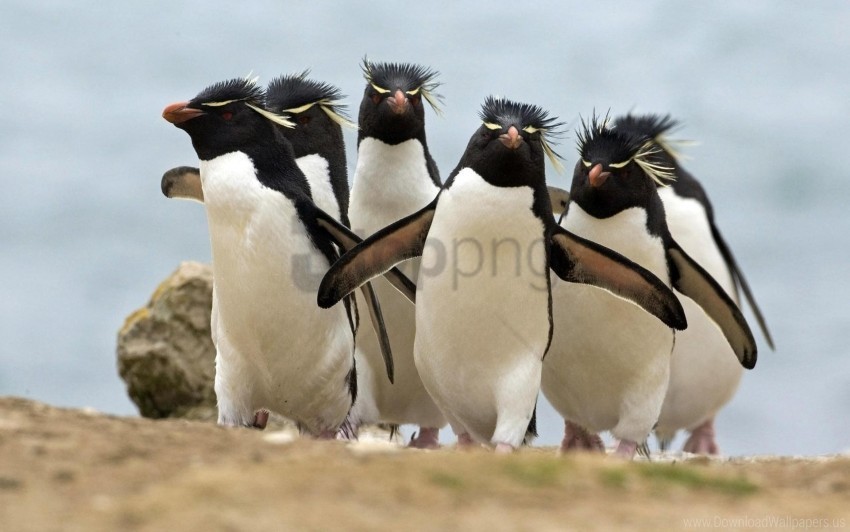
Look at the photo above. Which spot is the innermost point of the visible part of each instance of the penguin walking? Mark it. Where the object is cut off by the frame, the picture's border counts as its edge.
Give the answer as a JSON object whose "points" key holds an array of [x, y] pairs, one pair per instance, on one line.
{"points": [[609, 365], [483, 305], [274, 349], [395, 176], [704, 373]]}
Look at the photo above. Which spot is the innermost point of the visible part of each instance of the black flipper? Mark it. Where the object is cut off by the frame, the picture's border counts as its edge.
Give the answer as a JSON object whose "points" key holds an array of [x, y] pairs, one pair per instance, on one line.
{"points": [[377, 317], [183, 182], [402, 240], [738, 278], [346, 239], [577, 260], [692, 280], [560, 198]]}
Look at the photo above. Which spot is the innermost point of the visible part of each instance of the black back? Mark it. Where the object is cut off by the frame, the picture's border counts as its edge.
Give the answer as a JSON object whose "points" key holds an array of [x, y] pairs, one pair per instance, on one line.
{"points": [[377, 120], [628, 186], [309, 104]]}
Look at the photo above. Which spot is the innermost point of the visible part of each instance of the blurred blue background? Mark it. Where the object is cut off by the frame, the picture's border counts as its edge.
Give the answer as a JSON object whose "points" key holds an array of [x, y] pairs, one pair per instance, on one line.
{"points": [[86, 235]]}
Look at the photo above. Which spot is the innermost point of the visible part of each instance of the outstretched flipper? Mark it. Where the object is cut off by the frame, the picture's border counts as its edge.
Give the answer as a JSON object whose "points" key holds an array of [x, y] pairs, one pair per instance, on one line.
{"points": [[577, 260], [343, 237], [347, 240], [183, 182], [400, 241], [738, 277], [559, 198], [692, 280]]}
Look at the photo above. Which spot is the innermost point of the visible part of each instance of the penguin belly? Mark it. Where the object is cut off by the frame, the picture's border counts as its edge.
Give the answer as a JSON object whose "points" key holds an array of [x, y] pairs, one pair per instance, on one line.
{"points": [[275, 348], [387, 187], [482, 310], [704, 372], [609, 363], [316, 169]]}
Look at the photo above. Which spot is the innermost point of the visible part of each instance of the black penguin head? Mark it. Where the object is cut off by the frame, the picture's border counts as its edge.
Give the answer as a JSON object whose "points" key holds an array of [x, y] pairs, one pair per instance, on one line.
{"points": [[392, 108], [510, 146], [618, 169], [225, 117], [315, 109], [656, 127]]}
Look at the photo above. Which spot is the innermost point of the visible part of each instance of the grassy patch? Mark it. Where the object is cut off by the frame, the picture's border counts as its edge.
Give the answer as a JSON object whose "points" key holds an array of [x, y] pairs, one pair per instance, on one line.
{"points": [[446, 480], [690, 478], [613, 478], [535, 474]]}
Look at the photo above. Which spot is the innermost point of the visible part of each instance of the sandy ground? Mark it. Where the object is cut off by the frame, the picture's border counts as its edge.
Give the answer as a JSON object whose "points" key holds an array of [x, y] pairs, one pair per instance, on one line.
{"points": [[66, 469]]}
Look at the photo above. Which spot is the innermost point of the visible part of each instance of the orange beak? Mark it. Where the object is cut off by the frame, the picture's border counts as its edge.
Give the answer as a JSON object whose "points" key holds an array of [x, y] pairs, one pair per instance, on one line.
{"points": [[177, 113]]}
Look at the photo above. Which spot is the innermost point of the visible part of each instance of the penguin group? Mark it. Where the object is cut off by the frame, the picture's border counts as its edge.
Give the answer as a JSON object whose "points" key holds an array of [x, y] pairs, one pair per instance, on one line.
{"points": [[618, 299]]}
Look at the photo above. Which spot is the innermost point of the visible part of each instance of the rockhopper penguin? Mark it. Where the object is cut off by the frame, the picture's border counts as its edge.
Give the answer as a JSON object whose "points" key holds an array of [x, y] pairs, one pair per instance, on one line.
{"points": [[274, 349], [394, 176], [609, 364], [704, 373]]}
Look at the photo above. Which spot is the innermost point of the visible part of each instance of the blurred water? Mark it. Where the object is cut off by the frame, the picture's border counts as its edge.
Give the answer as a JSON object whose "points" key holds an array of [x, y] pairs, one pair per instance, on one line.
{"points": [[86, 234]]}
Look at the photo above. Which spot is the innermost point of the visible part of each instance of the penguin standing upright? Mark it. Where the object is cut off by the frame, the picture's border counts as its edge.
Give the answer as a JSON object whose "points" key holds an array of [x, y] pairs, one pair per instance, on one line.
{"points": [[609, 365], [274, 349], [483, 306], [395, 176], [704, 373]]}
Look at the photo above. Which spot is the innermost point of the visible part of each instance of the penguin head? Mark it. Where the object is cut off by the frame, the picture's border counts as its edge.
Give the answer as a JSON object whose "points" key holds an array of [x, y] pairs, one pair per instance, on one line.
{"points": [[392, 109], [313, 107], [510, 146], [617, 169], [656, 127], [226, 117]]}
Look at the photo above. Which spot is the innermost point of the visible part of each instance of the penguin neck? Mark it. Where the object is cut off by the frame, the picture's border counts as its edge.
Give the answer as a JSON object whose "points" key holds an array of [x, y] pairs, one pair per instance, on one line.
{"points": [[390, 182], [607, 205], [403, 138], [276, 169]]}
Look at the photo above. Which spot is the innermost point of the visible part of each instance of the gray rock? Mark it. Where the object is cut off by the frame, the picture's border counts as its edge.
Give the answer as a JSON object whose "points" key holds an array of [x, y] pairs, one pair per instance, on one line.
{"points": [[165, 354]]}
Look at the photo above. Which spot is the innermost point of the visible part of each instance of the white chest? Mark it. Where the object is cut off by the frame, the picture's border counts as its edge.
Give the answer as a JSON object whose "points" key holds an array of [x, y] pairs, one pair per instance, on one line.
{"points": [[315, 167], [483, 273], [688, 223], [390, 182]]}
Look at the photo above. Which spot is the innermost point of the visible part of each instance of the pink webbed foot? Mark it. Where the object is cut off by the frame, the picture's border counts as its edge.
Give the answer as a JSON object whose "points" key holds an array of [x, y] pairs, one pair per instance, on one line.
{"points": [[626, 449], [261, 418], [504, 448], [428, 438], [702, 440], [465, 441], [576, 438]]}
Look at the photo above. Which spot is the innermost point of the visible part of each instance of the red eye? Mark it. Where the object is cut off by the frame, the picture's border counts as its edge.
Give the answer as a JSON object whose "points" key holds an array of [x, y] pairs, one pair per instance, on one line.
{"points": [[303, 120], [227, 115], [415, 99], [376, 98]]}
